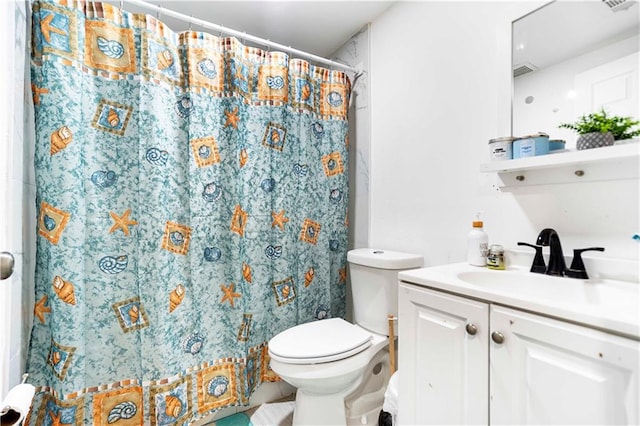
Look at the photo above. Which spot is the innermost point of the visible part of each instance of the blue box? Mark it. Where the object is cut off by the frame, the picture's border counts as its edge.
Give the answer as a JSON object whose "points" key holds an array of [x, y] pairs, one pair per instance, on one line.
{"points": [[556, 144], [531, 146]]}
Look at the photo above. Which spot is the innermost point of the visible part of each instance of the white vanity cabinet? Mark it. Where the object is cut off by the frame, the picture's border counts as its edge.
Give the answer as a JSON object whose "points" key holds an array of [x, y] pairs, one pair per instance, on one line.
{"points": [[443, 357], [513, 368], [546, 371]]}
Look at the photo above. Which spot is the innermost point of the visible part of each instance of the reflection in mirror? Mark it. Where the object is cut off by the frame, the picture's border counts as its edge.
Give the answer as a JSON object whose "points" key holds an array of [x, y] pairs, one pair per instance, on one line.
{"points": [[572, 58]]}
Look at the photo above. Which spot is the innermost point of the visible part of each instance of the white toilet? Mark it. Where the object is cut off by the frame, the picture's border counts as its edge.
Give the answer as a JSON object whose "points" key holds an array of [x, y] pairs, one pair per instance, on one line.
{"points": [[341, 369]]}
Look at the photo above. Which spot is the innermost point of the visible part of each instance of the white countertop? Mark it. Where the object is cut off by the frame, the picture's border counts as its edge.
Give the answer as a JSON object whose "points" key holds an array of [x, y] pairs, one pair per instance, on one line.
{"points": [[604, 304]]}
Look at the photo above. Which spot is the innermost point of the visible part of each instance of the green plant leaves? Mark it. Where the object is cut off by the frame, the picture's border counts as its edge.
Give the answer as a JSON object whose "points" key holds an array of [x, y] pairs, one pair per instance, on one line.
{"points": [[620, 127]]}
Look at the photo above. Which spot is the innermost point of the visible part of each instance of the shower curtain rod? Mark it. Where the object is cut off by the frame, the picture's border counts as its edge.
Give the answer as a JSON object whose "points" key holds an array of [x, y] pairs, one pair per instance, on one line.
{"points": [[239, 34]]}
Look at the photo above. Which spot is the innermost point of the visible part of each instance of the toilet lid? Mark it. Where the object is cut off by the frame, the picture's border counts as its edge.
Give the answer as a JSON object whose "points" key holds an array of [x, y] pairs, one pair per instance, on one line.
{"points": [[319, 341]]}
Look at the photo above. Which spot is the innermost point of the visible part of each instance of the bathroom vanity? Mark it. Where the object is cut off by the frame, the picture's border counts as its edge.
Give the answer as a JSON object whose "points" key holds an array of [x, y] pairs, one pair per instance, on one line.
{"points": [[511, 347]]}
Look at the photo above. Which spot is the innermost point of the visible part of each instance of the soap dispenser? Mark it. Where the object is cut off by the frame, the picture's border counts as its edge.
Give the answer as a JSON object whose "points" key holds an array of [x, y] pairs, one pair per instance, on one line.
{"points": [[477, 244]]}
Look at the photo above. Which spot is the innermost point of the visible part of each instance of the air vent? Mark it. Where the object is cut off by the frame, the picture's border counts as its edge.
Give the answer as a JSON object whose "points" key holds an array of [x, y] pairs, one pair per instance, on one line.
{"points": [[618, 5], [523, 69]]}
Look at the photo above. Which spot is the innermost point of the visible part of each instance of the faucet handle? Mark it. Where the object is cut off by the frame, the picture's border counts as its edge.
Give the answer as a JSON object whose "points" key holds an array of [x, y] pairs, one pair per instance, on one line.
{"points": [[538, 266], [577, 269]]}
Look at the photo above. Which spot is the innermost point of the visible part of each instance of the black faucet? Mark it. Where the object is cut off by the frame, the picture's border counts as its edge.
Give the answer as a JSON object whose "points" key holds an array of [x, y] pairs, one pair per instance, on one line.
{"points": [[549, 237], [577, 269], [538, 265]]}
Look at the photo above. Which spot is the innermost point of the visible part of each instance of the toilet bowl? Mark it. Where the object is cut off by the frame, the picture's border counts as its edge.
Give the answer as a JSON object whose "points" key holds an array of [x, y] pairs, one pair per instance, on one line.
{"points": [[331, 372], [341, 369]]}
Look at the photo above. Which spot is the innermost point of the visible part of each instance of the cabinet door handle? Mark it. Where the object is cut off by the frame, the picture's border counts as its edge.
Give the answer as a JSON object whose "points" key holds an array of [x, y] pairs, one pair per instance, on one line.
{"points": [[497, 337], [471, 329]]}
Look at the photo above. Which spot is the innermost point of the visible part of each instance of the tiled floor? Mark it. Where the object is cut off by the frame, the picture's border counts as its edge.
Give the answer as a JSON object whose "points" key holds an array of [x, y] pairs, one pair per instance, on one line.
{"points": [[277, 413], [268, 392], [280, 413], [273, 413]]}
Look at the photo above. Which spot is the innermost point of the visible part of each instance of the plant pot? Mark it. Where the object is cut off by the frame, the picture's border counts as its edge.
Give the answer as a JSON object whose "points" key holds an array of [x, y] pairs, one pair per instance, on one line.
{"points": [[594, 140]]}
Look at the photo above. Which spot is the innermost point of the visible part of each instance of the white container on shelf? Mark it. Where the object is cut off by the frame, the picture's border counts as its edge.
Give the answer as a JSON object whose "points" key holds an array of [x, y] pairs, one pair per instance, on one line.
{"points": [[501, 148]]}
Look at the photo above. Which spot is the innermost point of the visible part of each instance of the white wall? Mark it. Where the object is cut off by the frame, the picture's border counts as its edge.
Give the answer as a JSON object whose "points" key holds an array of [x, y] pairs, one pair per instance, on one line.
{"points": [[355, 52], [5, 286], [440, 89], [17, 196]]}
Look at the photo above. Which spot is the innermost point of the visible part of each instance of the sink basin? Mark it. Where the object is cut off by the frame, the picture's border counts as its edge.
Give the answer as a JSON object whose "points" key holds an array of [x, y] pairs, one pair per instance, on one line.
{"points": [[602, 302], [567, 290]]}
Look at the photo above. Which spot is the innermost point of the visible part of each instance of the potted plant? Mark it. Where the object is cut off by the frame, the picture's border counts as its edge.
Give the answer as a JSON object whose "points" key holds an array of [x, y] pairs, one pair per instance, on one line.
{"points": [[599, 129]]}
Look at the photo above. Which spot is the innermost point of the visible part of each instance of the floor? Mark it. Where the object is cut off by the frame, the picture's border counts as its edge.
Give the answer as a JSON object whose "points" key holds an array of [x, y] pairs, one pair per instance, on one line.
{"points": [[280, 413], [272, 414], [277, 413]]}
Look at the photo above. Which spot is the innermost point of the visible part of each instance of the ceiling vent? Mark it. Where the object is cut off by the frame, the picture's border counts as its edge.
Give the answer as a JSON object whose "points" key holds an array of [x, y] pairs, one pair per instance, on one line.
{"points": [[523, 69], [618, 5]]}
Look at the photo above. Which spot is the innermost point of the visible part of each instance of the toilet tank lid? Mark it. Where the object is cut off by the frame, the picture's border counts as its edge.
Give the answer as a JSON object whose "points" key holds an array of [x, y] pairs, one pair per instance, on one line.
{"points": [[384, 259]]}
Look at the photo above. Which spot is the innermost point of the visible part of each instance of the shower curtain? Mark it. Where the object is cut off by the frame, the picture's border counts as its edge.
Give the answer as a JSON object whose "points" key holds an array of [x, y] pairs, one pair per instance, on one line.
{"points": [[192, 203]]}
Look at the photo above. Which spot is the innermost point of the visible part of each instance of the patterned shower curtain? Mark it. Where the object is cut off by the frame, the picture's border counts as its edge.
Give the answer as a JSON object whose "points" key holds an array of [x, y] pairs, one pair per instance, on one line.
{"points": [[192, 203]]}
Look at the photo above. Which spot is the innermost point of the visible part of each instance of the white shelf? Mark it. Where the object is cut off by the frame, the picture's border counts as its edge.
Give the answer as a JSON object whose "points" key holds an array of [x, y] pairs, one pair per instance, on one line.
{"points": [[607, 163]]}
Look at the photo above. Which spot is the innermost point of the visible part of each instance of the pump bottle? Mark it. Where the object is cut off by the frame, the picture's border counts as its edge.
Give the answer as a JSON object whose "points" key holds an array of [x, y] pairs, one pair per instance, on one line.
{"points": [[477, 244]]}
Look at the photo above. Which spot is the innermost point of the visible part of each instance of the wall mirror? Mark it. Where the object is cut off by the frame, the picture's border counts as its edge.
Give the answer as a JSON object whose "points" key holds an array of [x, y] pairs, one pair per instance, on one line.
{"points": [[571, 58]]}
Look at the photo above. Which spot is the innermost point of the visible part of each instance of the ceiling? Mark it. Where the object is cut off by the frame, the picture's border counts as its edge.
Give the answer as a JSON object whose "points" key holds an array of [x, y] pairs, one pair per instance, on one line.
{"points": [[566, 29], [317, 27]]}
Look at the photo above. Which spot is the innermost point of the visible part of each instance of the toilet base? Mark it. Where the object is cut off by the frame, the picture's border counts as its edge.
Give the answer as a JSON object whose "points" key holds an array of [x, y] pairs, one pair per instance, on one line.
{"points": [[358, 405], [365, 402], [319, 409]]}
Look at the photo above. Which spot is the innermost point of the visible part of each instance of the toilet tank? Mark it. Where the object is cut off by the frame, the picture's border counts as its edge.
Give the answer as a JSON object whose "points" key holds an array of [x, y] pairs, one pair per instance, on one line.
{"points": [[374, 285]]}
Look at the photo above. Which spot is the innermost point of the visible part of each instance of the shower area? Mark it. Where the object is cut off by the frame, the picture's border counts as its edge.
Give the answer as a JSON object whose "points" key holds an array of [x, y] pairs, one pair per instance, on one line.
{"points": [[184, 197]]}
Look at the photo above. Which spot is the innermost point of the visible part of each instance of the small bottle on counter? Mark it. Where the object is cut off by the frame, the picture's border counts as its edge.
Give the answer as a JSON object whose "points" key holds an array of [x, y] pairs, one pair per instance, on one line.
{"points": [[495, 259], [477, 244]]}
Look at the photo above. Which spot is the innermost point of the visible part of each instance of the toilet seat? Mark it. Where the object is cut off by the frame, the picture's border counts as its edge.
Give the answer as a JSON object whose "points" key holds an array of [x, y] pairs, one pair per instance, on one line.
{"points": [[318, 342]]}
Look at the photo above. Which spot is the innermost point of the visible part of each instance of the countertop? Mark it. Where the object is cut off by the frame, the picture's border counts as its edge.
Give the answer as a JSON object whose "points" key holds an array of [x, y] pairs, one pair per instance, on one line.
{"points": [[604, 304]]}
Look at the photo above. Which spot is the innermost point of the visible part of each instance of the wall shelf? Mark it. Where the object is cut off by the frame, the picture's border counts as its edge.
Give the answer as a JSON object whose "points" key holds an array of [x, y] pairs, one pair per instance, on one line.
{"points": [[607, 163]]}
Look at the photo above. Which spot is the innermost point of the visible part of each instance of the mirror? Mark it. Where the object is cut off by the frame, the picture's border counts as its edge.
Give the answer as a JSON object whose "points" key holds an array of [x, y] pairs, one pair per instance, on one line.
{"points": [[572, 58]]}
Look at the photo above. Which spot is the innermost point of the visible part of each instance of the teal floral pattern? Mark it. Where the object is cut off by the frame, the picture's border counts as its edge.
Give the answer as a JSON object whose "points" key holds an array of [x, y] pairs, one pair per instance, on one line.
{"points": [[192, 203]]}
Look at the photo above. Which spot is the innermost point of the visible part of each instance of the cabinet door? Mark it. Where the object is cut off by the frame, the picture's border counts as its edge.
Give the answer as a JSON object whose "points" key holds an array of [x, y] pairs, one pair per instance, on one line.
{"points": [[551, 372], [442, 366]]}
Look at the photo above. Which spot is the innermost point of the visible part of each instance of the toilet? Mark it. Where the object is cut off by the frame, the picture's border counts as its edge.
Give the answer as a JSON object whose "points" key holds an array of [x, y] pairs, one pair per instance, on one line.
{"points": [[341, 369]]}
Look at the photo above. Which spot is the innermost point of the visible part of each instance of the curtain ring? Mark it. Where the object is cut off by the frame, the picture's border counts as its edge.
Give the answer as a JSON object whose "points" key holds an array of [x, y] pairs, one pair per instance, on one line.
{"points": [[190, 22], [244, 38], [221, 29], [121, 4], [158, 14]]}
